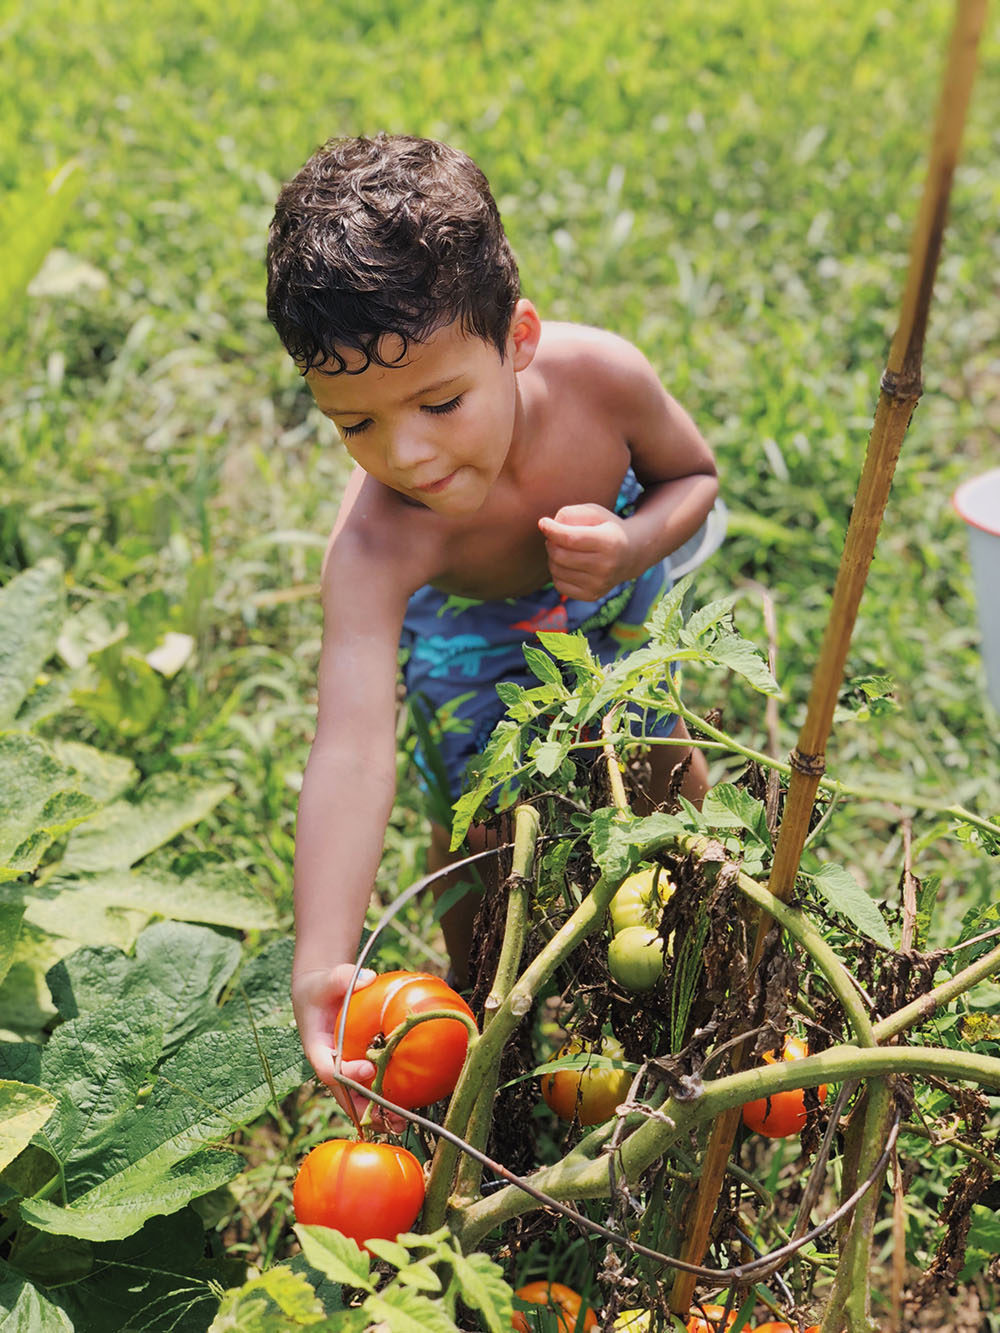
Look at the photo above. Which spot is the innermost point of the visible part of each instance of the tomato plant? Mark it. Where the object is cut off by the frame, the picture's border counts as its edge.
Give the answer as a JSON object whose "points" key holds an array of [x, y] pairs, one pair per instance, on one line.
{"points": [[426, 1064], [588, 1095], [368, 1191], [635, 958], [567, 1304], [784, 1113]]}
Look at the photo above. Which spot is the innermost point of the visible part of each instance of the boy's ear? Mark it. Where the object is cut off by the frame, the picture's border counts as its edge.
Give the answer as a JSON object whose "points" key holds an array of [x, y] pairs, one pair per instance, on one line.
{"points": [[525, 331]]}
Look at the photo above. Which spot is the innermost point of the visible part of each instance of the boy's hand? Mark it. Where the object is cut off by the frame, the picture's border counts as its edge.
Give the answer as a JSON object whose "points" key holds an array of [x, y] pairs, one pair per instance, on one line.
{"points": [[316, 999], [588, 550]]}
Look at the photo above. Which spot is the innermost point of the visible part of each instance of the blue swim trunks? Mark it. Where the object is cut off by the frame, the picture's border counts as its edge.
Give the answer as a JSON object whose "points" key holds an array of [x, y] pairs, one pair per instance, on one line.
{"points": [[457, 649]]}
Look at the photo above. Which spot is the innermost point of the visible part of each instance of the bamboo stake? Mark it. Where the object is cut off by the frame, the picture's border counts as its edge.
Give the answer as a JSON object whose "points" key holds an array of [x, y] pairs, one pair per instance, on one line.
{"points": [[900, 389]]}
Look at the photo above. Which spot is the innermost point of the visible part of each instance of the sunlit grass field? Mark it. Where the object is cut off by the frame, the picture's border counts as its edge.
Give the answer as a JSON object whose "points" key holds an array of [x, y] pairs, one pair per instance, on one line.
{"points": [[730, 185]]}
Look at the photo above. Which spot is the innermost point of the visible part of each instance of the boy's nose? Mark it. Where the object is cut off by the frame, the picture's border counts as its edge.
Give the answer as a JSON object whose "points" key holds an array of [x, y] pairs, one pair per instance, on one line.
{"points": [[409, 451]]}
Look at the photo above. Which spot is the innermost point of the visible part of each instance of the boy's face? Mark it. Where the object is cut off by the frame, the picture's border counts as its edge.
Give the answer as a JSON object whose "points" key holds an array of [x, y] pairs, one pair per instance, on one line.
{"points": [[438, 426]]}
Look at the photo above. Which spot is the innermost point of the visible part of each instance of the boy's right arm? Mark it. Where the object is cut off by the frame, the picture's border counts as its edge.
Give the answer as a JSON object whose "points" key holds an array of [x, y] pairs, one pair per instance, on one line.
{"points": [[348, 785]]}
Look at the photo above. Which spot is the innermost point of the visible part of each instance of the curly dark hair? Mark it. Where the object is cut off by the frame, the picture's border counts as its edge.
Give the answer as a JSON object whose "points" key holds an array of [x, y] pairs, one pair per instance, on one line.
{"points": [[388, 235]]}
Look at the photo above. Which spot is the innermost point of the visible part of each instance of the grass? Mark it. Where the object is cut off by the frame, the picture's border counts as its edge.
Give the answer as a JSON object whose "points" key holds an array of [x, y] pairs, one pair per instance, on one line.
{"points": [[730, 185]]}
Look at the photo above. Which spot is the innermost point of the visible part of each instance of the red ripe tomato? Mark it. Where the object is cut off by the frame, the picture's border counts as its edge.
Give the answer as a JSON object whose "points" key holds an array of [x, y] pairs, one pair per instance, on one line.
{"points": [[589, 1095], [427, 1062], [368, 1191], [708, 1318], [563, 1300], [783, 1114]]}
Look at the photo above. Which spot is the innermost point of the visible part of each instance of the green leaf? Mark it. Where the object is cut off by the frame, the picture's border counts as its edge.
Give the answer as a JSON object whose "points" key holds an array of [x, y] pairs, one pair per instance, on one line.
{"points": [[335, 1256], [845, 895], [11, 915], [667, 619], [158, 1278], [126, 831], [420, 1276], [115, 905], [30, 222], [542, 665], [181, 968], [100, 775], [32, 606], [406, 1311], [24, 1109], [727, 806], [40, 800], [572, 648], [738, 654], [548, 755], [152, 1160], [24, 1309], [483, 1287], [615, 838], [390, 1251]]}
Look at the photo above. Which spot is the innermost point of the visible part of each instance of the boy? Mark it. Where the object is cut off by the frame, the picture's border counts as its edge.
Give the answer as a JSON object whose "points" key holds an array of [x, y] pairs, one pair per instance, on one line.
{"points": [[497, 459]]}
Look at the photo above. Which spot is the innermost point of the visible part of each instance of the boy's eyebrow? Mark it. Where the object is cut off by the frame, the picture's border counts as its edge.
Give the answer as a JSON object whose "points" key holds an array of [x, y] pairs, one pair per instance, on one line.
{"points": [[420, 393]]}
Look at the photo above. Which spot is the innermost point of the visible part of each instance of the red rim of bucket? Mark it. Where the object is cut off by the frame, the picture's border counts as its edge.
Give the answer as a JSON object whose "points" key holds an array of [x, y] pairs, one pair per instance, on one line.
{"points": [[993, 531]]}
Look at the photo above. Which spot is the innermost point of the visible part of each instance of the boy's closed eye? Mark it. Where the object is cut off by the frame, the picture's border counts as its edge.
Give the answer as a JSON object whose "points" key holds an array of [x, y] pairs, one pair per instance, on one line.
{"points": [[435, 409]]}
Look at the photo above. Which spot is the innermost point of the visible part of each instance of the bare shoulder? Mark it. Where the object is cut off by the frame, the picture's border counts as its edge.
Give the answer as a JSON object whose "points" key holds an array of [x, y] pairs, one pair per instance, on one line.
{"points": [[380, 551], [596, 361]]}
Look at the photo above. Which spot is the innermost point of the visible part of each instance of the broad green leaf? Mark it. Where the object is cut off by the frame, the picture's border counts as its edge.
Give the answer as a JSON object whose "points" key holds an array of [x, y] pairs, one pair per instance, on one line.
{"points": [[404, 1311], [24, 1309], [483, 1287], [11, 915], [24, 1109], [180, 968], [262, 990], [335, 1256], [157, 1278], [96, 1065], [845, 895], [126, 831], [40, 799], [32, 606], [216, 1083], [114, 905], [101, 775]]}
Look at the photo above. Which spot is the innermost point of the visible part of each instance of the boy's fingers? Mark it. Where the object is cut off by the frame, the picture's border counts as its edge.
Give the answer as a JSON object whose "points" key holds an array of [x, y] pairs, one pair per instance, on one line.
{"points": [[594, 537]]}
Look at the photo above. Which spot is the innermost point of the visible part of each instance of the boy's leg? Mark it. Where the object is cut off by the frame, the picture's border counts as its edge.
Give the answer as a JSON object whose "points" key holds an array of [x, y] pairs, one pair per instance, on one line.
{"points": [[663, 759]]}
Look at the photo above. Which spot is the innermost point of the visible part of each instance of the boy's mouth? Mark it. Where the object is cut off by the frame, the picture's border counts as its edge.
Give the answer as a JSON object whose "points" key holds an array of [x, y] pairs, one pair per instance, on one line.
{"points": [[432, 487]]}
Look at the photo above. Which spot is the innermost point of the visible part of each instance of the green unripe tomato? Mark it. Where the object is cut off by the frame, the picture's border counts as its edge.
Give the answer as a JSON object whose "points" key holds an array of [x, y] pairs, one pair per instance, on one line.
{"points": [[637, 903], [635, 958]]}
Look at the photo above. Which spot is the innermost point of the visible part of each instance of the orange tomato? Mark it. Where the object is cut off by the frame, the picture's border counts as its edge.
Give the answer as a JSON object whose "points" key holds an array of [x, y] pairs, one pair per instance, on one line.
{"points": [[427, 1062], [367, 1191], [566, 1303], [778, 1326], [707, 1318], [783, 1114], [588, 1095]]}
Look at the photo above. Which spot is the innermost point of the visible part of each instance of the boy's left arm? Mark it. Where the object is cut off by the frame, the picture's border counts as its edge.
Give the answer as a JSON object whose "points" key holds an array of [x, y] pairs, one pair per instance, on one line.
{"points": [[590, 548]]}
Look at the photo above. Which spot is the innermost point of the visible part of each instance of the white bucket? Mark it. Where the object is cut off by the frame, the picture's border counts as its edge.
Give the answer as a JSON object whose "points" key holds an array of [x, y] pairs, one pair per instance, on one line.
{"points": [[977, 501]]}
